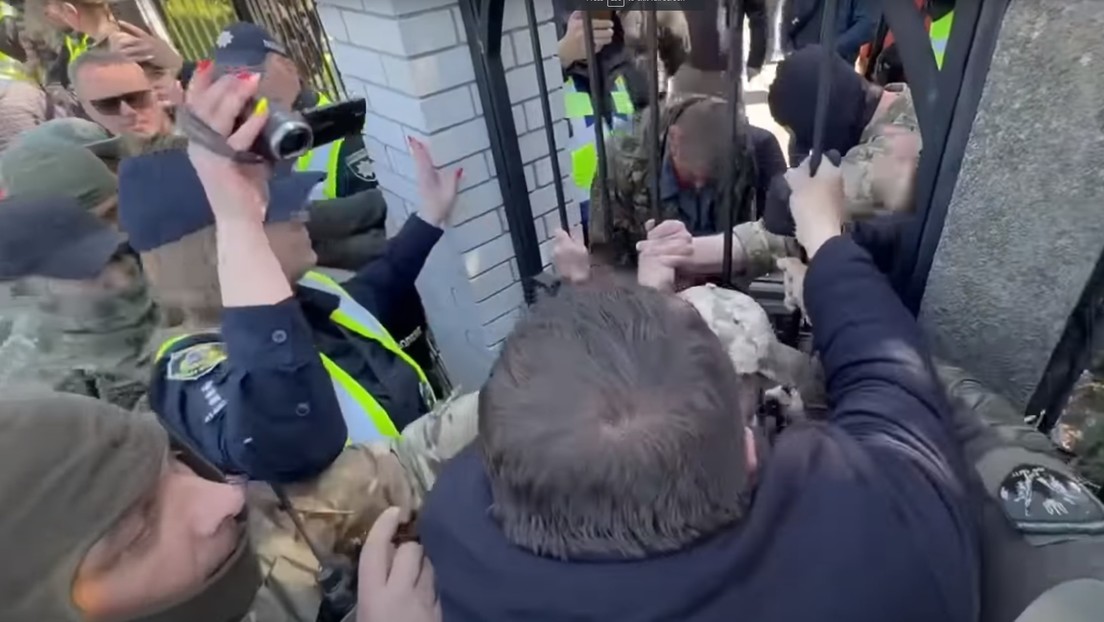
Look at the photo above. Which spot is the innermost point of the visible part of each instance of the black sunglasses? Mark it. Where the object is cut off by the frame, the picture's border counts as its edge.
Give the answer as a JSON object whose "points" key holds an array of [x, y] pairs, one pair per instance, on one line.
{"points": [[112, 106]]}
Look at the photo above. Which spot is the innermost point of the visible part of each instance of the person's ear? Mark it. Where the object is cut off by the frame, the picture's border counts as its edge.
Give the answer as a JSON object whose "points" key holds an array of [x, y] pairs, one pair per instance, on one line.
{"points": [[65, 12], [674, 139]]}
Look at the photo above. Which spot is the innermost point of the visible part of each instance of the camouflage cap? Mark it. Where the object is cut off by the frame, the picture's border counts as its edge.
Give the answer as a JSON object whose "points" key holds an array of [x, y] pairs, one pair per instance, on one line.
{"points": [[72, 467], [740, 323]]}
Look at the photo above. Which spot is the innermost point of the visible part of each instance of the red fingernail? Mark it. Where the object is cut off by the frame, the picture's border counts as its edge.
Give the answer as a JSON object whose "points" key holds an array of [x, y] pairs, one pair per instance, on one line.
{"points": [[244, 76], [459, 172], [203, 65]]}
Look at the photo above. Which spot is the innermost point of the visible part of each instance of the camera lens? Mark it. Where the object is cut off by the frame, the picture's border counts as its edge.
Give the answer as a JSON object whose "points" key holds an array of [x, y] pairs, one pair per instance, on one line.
{"points": [[293, 143]]}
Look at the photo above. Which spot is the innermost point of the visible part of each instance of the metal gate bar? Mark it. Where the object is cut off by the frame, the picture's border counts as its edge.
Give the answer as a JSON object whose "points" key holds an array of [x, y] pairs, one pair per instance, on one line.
{"points": [[195, 24], [297, 25], [651, 30], [598, 106], [546, 112], [483, 24]]}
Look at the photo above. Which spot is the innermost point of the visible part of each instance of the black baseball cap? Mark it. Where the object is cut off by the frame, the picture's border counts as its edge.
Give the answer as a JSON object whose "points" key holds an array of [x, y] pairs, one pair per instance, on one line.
{"points": [[162, 200], [53, 237], [245, 45]]}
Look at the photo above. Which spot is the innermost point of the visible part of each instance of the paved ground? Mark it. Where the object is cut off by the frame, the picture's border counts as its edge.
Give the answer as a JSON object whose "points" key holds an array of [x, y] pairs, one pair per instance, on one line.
{"points": [[755, 97]]}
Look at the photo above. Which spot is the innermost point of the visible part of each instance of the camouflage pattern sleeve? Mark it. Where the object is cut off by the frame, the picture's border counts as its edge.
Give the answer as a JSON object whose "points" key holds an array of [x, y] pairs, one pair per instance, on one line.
{"points": [[433, 438], [761, 248], [863, 186]]}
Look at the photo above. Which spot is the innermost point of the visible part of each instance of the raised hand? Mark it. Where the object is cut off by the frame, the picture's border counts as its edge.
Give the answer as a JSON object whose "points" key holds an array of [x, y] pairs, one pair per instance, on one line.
{"points": [[437, 190], [236, 191], [570, 256]]}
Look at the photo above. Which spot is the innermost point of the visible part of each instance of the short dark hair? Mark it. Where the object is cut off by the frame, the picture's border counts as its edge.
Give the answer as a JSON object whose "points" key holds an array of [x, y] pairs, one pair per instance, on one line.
{"points": [[612, 423]]}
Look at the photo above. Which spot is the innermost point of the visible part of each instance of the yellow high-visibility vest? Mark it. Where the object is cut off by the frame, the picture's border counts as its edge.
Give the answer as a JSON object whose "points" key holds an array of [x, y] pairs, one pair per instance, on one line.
{"points": [[365, 419], [10, 68], [577, 109], [77, 45], [940, 34], [324, 159]]}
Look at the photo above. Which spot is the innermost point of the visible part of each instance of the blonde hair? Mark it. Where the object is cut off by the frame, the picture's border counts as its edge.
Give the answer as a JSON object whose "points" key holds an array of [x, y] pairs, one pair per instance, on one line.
{"points": [[183, 276], [34, 13]]}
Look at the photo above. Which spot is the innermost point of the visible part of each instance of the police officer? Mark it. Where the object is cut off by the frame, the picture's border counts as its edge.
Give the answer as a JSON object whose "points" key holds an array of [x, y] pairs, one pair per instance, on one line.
{"points": [[80, 316], [118, 522], [275, 365], [348, 211], [345, 162]]}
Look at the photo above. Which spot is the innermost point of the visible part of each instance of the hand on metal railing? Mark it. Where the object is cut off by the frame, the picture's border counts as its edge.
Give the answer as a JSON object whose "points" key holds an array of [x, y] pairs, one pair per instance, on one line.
{"points": [[572, 48], [570, 256]]}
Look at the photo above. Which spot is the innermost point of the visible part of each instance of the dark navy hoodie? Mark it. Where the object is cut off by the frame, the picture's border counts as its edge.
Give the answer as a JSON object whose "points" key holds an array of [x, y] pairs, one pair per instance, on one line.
{"points": [[860, 519]]}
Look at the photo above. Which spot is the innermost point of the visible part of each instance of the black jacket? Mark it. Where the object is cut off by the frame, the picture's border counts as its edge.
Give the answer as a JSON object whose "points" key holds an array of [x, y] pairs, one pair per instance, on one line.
{"points": [[860, 518], [856, 23]]}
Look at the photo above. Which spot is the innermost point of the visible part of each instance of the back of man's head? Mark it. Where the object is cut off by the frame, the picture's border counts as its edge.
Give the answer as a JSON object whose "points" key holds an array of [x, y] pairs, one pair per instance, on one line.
{"points": [[612, 425]]}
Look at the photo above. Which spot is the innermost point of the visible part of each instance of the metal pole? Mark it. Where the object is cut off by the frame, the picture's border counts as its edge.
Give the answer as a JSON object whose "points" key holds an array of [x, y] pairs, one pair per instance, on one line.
{"points": [[652, 28], [546, 111], [731, 174], [598, 103], [824, 85]]}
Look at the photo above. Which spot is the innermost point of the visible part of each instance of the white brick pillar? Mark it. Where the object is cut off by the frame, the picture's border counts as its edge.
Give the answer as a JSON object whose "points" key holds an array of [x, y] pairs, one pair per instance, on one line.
{"points": [[410, 59]]}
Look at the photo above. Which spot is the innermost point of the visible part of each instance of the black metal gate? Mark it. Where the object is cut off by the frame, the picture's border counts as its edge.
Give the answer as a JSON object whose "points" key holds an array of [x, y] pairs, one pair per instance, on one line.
{"points": [[297, 25], [194, 25]]}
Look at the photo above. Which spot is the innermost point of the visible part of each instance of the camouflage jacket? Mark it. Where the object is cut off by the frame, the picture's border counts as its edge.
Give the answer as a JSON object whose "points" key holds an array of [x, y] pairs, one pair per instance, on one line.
{"points": [[864, 185], [112, 367], [614, 229], [339, 507], [862, 182]]}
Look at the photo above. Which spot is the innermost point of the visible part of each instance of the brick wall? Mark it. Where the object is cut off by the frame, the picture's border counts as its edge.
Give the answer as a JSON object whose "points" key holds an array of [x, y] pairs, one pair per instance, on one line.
{"points": [[410, 59]]}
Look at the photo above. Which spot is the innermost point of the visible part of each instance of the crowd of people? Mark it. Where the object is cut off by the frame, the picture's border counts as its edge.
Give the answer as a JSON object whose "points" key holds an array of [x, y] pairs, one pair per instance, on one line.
{"points": [[218, 400]]}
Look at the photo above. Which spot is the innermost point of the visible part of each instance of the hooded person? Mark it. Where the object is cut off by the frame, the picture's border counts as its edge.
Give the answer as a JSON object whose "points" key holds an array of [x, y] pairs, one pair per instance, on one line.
{"points": [[874, 127], [113, 520], [78, 314]]}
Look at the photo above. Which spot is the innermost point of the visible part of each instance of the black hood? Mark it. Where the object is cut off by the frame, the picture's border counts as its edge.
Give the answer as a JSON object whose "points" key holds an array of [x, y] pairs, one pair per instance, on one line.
{"points": [[481, 576], [793, 95]]}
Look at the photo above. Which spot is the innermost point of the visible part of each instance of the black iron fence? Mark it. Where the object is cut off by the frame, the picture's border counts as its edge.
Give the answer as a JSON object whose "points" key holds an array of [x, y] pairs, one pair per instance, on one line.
{"points": [[194, 25], [297, 25]]}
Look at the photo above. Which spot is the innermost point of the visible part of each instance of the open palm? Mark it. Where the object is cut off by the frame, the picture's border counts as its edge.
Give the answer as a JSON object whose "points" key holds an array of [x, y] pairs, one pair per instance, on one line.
{"points": [[436, 189]]}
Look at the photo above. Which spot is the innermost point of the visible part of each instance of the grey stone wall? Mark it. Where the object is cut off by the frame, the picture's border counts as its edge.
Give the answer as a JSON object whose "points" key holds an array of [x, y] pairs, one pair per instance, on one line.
{"points": [[1026, 223]]}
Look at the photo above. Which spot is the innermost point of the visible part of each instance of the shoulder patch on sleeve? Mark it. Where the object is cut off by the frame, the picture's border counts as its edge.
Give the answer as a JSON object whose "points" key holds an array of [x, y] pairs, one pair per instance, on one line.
{"points": [[196, 361]]}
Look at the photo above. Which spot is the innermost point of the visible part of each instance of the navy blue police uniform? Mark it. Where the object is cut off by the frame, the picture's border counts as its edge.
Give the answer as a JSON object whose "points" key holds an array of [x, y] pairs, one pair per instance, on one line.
{"points": [[276, 391]]}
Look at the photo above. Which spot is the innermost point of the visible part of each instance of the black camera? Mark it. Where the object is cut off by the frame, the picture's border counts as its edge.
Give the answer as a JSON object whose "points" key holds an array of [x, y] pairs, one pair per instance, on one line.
{"points": [[290, 134]]}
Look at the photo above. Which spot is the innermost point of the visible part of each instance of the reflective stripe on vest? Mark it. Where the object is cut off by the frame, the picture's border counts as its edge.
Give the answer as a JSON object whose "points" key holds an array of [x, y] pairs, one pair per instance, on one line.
{"points": [[76, 46], [323, 159], [940, 33], [365, 419], [353, 316], [579, 111], [10, 68]]}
